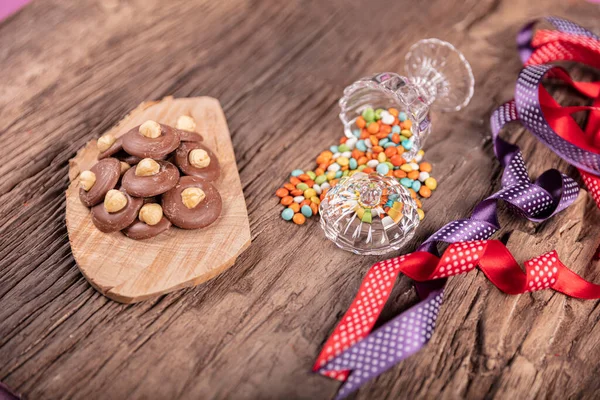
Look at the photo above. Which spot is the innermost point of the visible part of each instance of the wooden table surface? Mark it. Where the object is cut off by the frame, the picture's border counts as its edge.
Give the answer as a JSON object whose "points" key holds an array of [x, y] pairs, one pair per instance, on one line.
{"points": [[71, 70]]}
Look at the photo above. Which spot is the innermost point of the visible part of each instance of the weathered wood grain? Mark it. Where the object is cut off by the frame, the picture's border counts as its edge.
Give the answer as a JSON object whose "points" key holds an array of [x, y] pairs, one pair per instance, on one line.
{"points": [[71, 70]]}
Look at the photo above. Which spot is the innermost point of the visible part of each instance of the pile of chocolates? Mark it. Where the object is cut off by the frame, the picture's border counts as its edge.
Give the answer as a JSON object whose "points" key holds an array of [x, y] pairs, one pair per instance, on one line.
{"points": [[152, 177]]}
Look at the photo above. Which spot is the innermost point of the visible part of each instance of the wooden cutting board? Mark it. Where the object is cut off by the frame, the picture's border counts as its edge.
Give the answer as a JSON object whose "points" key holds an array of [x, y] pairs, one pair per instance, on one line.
{"points": [[129, 271]]}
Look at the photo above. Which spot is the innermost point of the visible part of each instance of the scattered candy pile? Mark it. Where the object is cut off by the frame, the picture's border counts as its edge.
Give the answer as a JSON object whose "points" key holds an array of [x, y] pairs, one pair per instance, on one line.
{"points": [[381, 139]]}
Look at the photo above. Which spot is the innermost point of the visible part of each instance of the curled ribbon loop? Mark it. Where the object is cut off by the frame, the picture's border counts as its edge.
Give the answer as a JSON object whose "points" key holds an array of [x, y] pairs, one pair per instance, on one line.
{"points": [[352, 347]]}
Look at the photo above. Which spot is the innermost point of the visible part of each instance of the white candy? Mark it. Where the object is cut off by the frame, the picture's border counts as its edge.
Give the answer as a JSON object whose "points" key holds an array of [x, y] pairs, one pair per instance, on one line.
{"points": [[298, 199], [317, 188], [347, 154], [334, 167], [368, 144], [423, 176], [387, 118], [419, 158], [351, 143], [325, 185], [372, 163], [336, 155], [414, 166]]}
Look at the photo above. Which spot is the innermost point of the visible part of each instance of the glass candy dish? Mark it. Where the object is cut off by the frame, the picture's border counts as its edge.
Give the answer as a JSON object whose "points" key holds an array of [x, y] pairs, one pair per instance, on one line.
{"points": [[438, 77], [373, 214], [369, 214]]}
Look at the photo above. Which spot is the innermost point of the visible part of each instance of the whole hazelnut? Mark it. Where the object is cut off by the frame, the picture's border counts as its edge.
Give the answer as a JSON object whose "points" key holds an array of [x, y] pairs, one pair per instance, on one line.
{"points": [[192, 196], [151, 213], [87, 180], [186, 123], [150, 129], [114, 201], [147, 167], [124, 167], [104, 142], [199, 158]]}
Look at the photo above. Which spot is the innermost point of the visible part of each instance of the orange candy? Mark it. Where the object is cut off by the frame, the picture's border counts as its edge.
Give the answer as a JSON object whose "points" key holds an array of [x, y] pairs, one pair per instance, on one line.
{"points": [[314, 207], [360, 122], [374, 140], [425, 191], [368, 170], [425, 167], [393, 111], [319, 171], [395, 138], [386, 129], [299, 219], [310, 183], [289, 186], [405, 124], [399, 173], [296, 192], [295, 207], [294, 181], [377, 149], [303, 177], [282, 192], [287, 200], [343, 140], [305, 202], [397, 160], [373, 127], [413, 175], [413, 194], [391, 151], [362, 160]]}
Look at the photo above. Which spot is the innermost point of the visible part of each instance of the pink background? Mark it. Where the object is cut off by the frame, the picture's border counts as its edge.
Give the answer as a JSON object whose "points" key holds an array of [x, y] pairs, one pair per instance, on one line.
{"points": [[8, 7]]}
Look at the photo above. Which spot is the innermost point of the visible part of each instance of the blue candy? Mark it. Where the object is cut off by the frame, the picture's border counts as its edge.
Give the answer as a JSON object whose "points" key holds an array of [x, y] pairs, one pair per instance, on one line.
{"points": [[297, 172], [333, 149], [416, 185], [402, 116], [288, 214], [383, 141], [407, 144], [306, 211], [356, 132], [396, 129], [382, 169], [338, 174], [353, 163], [407, 182], [361, 145], [389, 144]]}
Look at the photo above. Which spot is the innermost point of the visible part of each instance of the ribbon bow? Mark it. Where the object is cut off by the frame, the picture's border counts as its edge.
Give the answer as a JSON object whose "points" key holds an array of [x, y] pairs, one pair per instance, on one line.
{"points": [[354, 353]]}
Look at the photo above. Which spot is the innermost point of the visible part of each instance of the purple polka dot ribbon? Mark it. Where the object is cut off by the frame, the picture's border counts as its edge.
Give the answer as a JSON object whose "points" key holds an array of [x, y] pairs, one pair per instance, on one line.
{"points": [[355, 353]]}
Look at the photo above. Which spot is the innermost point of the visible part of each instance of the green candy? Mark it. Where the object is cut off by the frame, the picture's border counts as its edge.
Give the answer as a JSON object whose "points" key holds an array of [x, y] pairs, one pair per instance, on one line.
{"points": [[389, 164], [367, 218], [346, 172], [361, 167], [403, 138], [378, 113], [311, 174], [302, 186], [320, 179], [343, 147], [369, 114]]}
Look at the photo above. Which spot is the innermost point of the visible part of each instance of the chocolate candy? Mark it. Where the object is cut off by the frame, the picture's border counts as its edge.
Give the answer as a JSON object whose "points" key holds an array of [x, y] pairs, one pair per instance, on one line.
{"points": [[189, 136], [116, 147], [129, 159], [107, 173], [140, 230], [204, 214], [112, 222], [158, 148], [152, 185], [208, 173]]}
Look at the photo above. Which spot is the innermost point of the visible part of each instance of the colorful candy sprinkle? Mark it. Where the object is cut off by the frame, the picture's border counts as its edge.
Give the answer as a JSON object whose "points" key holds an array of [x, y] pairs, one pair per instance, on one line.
{"points": [[382, 138]]}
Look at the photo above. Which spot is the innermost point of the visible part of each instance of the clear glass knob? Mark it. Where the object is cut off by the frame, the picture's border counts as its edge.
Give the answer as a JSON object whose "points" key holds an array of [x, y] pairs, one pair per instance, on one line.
{"points": [[438, 77], [369, 214]]}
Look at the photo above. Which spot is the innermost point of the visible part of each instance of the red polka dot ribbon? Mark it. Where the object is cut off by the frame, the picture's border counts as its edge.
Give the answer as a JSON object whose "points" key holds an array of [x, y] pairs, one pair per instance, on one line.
{"points": [[354, 353]]}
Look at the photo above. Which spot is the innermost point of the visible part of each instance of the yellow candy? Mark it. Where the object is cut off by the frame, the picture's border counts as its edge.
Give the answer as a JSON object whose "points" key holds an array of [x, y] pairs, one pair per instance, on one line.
{"points": [[406, 167], [397, 206], [394, 214], [381, 157], [316, 200], [360, 212], [431, 183], [330, 175], [343, 161], [406, 133], [309, 193], [421, 213]]}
